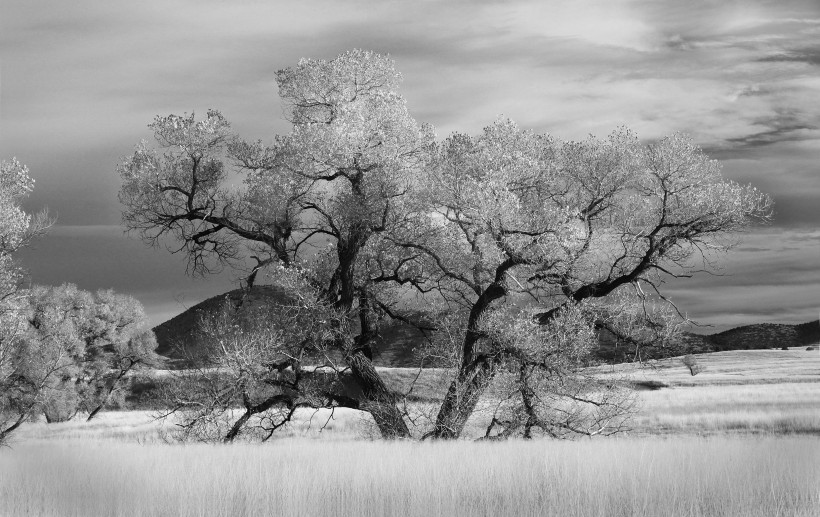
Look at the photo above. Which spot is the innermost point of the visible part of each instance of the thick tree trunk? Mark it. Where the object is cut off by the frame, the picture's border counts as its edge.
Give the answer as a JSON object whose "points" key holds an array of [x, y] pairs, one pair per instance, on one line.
{"points": [[379, 401], [376, 398], [461, 399], [475, 372]]}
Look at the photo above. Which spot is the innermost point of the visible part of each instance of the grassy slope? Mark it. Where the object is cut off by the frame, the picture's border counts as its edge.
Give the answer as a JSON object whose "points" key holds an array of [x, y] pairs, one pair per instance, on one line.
{"points": [[730, 367], [768, 391]]}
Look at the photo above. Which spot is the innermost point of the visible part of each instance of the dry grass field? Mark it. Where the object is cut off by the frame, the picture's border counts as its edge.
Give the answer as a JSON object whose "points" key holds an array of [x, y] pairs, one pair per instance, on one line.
{"points": [[688, 476], [742, 438], [731, 368], [752, 391]]}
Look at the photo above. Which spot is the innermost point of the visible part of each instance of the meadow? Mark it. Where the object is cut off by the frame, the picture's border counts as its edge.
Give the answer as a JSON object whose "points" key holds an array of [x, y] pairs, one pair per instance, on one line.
{"points": [[741, 438], [686, 476]]}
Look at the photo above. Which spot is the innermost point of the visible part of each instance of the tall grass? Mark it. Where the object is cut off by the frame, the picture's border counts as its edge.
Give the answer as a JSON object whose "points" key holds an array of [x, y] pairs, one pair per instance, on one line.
{"points": [[616, 477], [726, 368], [759, 408], [118, 464]]}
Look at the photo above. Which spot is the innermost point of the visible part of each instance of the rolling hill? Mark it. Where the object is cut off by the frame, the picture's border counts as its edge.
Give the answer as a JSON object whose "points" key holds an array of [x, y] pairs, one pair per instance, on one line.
{"points": [[178, 337]]}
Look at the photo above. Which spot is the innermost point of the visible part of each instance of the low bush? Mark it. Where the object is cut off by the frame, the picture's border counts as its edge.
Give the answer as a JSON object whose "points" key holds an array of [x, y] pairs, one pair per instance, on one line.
{"points": [[691, 362]]}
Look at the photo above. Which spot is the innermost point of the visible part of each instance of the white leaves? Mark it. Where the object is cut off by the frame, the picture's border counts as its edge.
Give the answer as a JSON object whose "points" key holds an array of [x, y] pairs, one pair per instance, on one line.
{"points": [[14, 179], [348, 114], [15, 184], [315, 89], [564, 341], [190, 136]]}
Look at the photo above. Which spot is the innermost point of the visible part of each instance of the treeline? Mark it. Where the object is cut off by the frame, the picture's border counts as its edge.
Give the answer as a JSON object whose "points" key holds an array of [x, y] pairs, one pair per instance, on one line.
{"points": [[63, 351]]}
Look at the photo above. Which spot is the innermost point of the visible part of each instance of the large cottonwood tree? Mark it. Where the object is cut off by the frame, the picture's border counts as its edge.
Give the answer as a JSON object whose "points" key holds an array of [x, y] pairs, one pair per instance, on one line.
{"points": [[520, 245], [584, 233], [338, 178]]}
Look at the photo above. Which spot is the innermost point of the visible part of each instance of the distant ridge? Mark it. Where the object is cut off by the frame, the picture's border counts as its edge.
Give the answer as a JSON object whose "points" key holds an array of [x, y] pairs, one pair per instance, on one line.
{"points": [[178, 337]]}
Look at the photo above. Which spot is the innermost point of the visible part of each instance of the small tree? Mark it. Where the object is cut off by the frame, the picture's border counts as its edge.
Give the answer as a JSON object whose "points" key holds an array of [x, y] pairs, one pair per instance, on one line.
{"points": [[119, 340], [691, 362], [21, 382], [102, 336]]}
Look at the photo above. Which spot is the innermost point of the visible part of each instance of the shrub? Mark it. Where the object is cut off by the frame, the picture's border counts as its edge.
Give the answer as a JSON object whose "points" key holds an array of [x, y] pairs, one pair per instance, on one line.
{"points": [[691, 362], [61, 406]]}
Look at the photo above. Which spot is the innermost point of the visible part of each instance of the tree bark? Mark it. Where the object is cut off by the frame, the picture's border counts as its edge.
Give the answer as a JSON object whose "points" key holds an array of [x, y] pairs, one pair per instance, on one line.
{"points": [[96, 410], [527, 396], [476, 371], [379, 401], [462, 398], [237, 426]]}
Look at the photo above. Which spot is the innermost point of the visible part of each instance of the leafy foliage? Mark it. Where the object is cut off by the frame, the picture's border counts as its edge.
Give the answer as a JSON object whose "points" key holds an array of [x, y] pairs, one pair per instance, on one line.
{"points": [[263, 363], [95, 338], [19, 393], [518, 247], [511, 218], [691, 362]]}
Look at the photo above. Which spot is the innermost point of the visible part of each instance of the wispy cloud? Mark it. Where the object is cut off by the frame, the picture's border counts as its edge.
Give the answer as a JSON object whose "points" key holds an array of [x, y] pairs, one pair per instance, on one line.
{"points": [[809, 55], [80, 81], [784, 126]]}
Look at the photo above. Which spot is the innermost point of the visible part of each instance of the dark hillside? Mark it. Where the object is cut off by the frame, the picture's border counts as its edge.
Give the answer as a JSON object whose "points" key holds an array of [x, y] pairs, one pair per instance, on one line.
{"points": [[752, 337], [809, 333], [178, 337], [766, 335]]}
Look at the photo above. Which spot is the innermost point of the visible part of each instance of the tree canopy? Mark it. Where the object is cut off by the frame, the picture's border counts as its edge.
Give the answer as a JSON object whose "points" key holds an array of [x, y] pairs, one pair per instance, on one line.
{"points": [[99, 337], [19, 394], [511, 249], [62, 350]]}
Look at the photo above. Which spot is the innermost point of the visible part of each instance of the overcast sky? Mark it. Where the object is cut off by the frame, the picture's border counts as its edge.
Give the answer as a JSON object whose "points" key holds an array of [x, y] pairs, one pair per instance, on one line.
{"points": [[80, 81]]}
